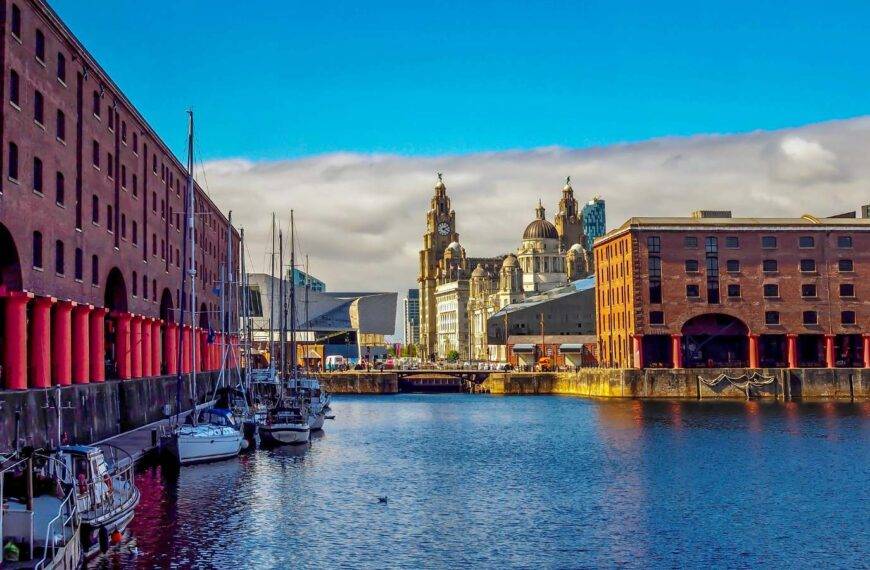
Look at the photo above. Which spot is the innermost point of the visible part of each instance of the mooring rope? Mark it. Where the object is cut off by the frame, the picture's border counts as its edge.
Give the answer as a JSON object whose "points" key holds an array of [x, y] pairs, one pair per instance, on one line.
{"points": [[743, 381]]}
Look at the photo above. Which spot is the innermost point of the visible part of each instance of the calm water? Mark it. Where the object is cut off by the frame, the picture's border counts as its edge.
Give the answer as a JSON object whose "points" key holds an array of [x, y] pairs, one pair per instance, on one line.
{"points": [[486, 481]]}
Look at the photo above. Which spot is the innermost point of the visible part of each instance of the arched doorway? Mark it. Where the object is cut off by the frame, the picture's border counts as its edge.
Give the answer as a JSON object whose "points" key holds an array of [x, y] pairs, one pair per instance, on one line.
{"points": [[167, 312], [10, 266], [715, 340], [203, 316], [116, 291], [115, 300]]}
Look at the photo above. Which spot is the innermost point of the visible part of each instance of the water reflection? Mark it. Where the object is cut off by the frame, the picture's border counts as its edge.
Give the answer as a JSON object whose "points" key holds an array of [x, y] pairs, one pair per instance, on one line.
{"points": [[525, 481]]}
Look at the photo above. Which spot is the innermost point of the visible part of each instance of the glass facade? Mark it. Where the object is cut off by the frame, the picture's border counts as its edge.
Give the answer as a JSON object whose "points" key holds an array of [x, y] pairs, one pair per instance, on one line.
{"points": [[594, 221]]}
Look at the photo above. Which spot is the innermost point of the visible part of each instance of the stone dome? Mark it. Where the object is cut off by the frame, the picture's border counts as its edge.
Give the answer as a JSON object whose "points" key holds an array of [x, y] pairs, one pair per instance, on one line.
{"points": [[510, 261], [576, 248], [479, 271], [540, 228]]}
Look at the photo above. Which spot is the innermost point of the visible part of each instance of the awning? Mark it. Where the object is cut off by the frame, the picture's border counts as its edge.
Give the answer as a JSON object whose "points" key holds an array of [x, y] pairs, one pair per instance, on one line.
{"points": [[523, 348], [311, 355], [571, 348]]}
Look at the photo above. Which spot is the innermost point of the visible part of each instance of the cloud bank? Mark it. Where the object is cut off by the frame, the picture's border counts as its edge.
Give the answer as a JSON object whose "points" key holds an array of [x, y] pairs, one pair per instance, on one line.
{"points": [[361, 217]]}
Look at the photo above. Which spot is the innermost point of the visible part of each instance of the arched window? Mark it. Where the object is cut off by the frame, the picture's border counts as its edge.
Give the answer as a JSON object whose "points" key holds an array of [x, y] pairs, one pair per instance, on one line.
{"points": [[13, 161], [58, 257], [79, 264], [95, 270], [59, 188], [37, 250], [135, 284]]}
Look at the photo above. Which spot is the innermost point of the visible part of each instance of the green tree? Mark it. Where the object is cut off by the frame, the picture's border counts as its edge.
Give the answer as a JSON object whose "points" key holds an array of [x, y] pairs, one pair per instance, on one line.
{"points": [[453, 355]]}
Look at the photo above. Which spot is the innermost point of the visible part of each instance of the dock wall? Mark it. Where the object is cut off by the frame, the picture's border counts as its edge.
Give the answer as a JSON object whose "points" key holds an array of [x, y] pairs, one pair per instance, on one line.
{"points": [[92, 412], [360, 382]]}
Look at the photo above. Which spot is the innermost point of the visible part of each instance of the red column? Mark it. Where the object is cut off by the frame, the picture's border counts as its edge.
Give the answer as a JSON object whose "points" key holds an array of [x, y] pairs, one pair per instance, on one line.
{"points": [[185, 349], [792, 350], [81, 370], [677, 350], [146, 347], [135, 346], [637, 346], [170, 348], [61, 343], [204, 350], [40, 342], [98, 344], [866, 339], [15, 329], [155, 347], [753, 350], [122, 345], [829, 351]]}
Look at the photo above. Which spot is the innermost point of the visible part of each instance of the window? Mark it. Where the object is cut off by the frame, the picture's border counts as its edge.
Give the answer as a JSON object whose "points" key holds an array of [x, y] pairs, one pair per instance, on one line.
{"points": [[656, 317], [808, 265], [154, 163], [112, 118], [847, 317], [654, 244], [769, 266], [771, 290], [58, 257], [693, 291], [690, 242], [14, 88], [13, 161], [96, 104], [123, 226], [655, 279], [733, 290], [79, 264], [59, 192], [768, 242], [844, 241], [135, 284], [806, 242], [111, 164], [37, 250], [145, 287], [40, 45], [95, 210], [110, 218], [691, 266], [37, 175], [38, 107], [135, 186], [732, 242], [60, 126], [845, 265], [711, 244], [135, 143], [732, 265], [154, 290], [154, 202], [808, 290], [154, 244], [771, 317], [16, 21], [847, 290], [811, 318], [95, 270], [61, 67], [124, 131], [95, 151], [123, 177], [135, 233]]}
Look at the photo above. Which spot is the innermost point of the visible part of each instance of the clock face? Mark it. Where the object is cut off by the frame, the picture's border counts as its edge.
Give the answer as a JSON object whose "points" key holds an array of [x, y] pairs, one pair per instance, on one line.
{"points": [[443, 228]]}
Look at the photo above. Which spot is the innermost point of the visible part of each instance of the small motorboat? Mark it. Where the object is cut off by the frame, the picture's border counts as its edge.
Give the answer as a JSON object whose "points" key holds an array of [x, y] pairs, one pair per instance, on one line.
{"points": [[286, 423], [212, 437], [309, 391]]}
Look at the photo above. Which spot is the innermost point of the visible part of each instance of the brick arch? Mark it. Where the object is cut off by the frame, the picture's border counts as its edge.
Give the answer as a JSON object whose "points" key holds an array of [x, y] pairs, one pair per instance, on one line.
{"points": [[116, 291], [715, 339], [10, 264], [167, 311]]}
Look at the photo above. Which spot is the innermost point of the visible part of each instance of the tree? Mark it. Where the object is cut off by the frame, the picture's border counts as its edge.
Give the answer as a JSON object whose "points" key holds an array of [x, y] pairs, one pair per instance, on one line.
{"points": [[453, 355]]}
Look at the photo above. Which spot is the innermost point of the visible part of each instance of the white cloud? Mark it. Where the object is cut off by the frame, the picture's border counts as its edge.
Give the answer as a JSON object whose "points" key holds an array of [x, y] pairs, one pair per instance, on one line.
{"points": [[361, 217]]}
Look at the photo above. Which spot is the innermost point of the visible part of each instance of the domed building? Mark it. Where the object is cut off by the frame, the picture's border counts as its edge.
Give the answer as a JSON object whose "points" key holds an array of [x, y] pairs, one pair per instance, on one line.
{"points": [[540, 256], [578, 263]]}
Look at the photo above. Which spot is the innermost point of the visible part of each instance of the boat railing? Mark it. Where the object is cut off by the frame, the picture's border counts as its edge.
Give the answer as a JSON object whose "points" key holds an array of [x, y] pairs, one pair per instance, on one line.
{"points": [[102, 496], [66, 518], [12, 463]]}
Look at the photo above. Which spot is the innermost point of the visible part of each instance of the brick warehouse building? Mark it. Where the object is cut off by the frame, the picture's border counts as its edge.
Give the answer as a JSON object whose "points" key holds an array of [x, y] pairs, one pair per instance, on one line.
{"points": [[717, 291], [91, 213]]}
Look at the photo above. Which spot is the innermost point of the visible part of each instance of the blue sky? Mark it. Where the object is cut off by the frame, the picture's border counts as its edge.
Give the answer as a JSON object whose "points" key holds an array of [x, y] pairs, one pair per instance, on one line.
{"points": [[288, 79]]}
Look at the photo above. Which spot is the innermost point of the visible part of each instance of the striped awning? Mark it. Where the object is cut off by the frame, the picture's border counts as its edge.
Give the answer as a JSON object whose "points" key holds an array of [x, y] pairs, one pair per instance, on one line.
{"points": [[524, 348], [570, 347]]}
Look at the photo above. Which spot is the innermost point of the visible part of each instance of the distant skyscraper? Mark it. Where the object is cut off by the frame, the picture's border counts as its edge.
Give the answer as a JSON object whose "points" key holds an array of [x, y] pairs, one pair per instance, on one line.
{"points": [[412, 317], [594, 222]]}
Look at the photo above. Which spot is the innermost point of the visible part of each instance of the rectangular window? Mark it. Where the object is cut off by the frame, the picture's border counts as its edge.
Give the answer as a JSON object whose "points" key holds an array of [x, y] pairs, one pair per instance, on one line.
{"points": [[654, 244], [154, 202], [58, 257], [768, 242], [847, 317], [37, 175], [60, 126], [16, 21], [95, 210], [111, 119], [845, 265], [38, 108], [711, 245], [40, 45], [123, 177], [95, 153], [135, 233], [96, 104], [690, 242], [61, 67], [771, 290], [111, 164], [732, 265], [13, 161], [732, 242], [655, 280], [808, 265], [123, 226], [135, 186], [14, 88], [59, 189], [135, 143], [844, 241], [37, 250], [769, 266], [124, 132], [847, 290], [733, 290], [806, 242], [808, 290], [693, 291], [771, 317], [691, 266], [79, 264], [95, 270], [656, 317], [811, 318]]}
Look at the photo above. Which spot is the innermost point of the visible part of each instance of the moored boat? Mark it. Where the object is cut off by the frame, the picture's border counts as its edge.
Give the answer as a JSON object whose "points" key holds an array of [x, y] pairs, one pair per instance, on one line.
{"points": [[213, 437], [285, 424]]}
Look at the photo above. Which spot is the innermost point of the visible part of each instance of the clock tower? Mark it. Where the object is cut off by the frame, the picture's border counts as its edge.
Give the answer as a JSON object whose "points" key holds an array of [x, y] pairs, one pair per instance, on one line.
{"points": [[569, 222], [440, 232]]}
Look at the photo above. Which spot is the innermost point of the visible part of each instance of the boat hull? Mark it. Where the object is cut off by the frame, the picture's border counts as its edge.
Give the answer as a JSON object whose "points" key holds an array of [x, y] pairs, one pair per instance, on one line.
{"points": [[284, 434], [315, 421], [197, 449], [118, 520]]}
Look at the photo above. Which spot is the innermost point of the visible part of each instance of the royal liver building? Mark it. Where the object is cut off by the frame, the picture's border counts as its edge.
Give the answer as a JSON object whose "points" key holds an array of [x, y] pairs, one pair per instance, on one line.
{"points": [[459, 293]]}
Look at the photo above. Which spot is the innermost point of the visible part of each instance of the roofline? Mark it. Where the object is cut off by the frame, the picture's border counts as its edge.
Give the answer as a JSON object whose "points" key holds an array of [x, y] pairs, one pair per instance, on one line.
{"points": [[92, 65]]}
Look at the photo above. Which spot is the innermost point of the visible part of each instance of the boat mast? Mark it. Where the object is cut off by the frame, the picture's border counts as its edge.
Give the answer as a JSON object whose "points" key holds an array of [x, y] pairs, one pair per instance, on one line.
{"points": [[244, 339], [292, 296], [282, 317], [182, 298], [191, 221], [272, 301], [307, 287]]}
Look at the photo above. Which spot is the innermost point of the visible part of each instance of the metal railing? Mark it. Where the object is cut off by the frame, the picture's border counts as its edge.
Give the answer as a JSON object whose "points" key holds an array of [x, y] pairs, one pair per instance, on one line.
{"points": [[67, 517]]}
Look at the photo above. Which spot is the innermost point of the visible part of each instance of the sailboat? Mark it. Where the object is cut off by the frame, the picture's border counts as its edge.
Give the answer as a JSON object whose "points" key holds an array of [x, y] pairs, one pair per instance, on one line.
{"points": [[211, 433]]}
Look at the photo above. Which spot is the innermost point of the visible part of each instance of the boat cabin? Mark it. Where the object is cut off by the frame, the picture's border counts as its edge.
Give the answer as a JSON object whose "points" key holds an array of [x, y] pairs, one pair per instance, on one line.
{"points": [[217, 417]]}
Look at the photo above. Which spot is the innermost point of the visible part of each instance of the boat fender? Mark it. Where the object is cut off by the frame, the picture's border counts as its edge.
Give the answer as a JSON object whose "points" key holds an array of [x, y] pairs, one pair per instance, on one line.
{"points": [[245, 443], [104, 539], [117, 537]]}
